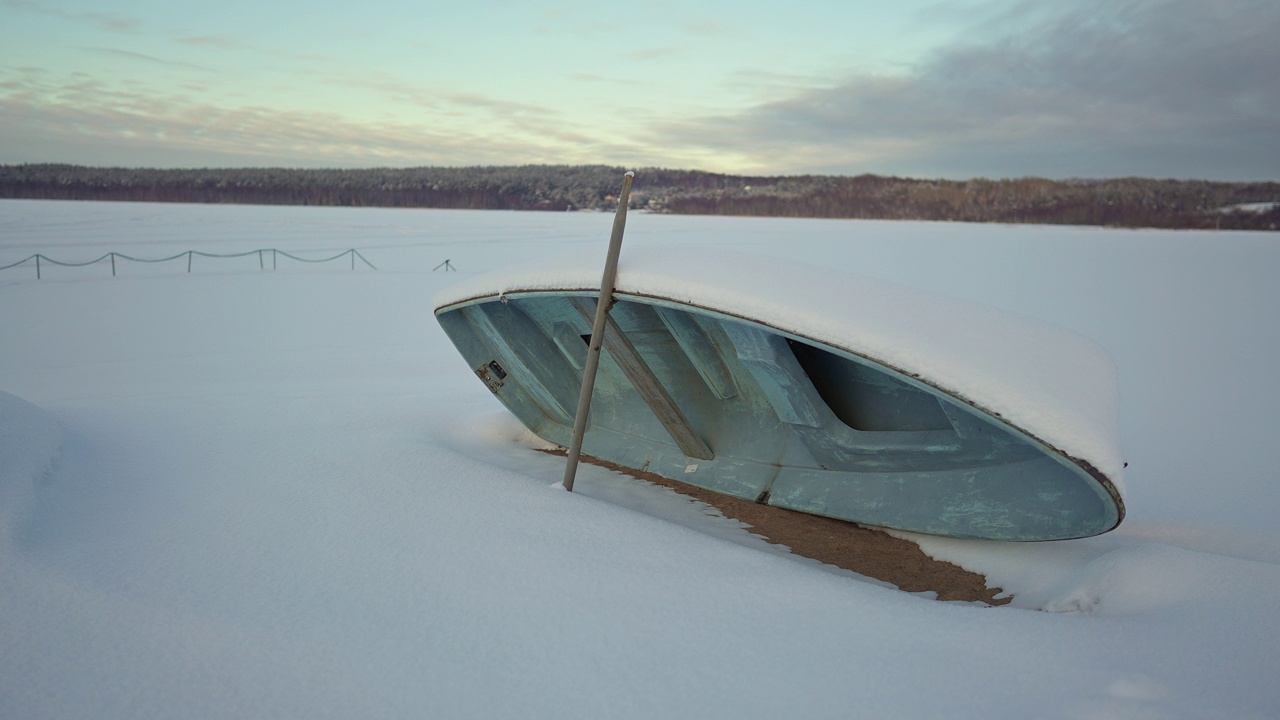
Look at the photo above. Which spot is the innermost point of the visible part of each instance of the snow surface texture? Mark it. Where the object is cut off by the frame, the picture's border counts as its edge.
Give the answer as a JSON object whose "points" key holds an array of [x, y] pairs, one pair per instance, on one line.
{"points": [[1056, 385], [29, 442], [284, 495]]}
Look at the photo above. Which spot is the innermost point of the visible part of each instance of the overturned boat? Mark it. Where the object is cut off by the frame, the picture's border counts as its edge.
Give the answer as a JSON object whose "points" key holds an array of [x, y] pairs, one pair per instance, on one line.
{"points": [[807, 389]]}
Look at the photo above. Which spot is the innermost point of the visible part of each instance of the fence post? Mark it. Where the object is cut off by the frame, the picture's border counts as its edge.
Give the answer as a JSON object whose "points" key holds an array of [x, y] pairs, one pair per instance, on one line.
{"points": [[37, 266], [273, 258], [188, 261], [113, 264], [353, 258], [260, 267]]}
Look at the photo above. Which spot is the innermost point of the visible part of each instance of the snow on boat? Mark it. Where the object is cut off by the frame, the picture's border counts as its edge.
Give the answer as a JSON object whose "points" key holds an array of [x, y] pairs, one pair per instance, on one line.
{"points": [[807, 389]]}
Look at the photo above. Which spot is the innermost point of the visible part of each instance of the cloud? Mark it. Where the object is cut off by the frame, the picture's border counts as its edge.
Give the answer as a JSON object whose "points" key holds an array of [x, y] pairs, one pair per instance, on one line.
{"points": [[603, 79], [103, 21], [650, 54], [1181, 88], [243, 136], [89, 121], [217, 42], [131, 55], [228, 43]]}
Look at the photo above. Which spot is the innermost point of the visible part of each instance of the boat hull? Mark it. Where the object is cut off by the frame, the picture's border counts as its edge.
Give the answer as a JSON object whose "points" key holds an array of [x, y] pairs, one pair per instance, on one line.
{"points": [[736, 406]]}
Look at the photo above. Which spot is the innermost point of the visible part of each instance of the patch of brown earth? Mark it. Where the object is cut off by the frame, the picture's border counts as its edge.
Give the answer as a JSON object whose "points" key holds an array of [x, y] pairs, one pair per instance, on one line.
{"points": [[865, 551]]}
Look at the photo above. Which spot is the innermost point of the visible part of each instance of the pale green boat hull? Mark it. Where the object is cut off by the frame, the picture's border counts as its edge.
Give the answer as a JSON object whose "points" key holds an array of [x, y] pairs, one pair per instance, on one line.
{"points": [[734, 406]]}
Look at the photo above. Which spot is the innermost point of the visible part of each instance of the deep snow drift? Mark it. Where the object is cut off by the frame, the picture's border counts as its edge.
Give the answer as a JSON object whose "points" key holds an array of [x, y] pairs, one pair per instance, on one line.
{"points": [[245, 493]]}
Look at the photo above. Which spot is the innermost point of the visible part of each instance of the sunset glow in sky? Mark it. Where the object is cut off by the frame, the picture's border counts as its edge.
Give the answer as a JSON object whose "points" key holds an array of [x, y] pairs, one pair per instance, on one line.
{"points": [[995, 88]]}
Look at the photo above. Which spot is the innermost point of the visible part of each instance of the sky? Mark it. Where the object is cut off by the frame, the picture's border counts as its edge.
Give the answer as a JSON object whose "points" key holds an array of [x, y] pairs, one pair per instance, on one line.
{"points": [[979, 88]]}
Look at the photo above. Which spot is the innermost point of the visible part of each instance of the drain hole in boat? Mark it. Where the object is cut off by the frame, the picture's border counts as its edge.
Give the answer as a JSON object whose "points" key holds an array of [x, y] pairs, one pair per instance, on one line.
{"points": [[865, 398]]}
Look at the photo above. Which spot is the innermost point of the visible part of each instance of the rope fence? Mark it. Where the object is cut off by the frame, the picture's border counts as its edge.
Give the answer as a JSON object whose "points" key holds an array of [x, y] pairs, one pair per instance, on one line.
{"points": [[189, 255]]}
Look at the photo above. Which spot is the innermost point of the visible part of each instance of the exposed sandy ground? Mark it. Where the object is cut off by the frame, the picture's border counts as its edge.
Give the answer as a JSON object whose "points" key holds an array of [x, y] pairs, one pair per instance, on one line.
{"points": [[865, 551]]}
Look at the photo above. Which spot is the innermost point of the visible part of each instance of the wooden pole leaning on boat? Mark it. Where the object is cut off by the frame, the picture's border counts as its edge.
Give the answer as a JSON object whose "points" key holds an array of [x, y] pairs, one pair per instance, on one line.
{"points": [[597, 332]]}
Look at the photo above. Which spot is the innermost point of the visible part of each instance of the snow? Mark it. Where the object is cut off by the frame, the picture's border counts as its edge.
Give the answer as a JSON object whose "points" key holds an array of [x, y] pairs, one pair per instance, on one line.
{"points": [[29, 442], [1053, 384], [1257, 207], [244, 493]]}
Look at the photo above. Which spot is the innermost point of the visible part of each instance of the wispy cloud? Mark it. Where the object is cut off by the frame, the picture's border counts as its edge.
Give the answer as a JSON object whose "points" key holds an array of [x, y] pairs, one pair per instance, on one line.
{"points": [[701, 27], [515, 119], [604, 79], [230, 43], [1153, 87], [497, 106], [91, 121], [218, 42], [103, 21], [143, 57], [650, 54]]}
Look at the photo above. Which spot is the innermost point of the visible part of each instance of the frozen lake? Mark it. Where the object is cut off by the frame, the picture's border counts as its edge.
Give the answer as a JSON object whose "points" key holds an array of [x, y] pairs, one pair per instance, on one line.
{"points": [[240, 492]]}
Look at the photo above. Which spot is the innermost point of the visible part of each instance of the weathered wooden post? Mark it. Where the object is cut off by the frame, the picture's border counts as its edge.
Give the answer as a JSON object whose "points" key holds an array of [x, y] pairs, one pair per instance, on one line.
{"points": [[597, 332]]}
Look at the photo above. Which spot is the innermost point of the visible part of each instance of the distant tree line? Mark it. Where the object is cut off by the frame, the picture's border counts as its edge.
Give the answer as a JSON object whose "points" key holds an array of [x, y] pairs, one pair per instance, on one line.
{"points": [[1126, 202]]}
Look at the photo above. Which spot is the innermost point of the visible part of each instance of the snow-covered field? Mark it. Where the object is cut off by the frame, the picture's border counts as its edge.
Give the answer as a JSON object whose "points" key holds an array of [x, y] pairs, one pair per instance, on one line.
{"points": [[237, 493]]}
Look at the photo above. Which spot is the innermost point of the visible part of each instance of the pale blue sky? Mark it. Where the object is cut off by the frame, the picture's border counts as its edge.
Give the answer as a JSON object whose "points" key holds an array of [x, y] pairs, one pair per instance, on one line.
{"points": [[996, 88]]}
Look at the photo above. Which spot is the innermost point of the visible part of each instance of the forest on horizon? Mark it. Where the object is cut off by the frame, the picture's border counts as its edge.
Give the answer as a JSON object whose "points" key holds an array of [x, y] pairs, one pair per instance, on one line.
{"points": [[1120, 202]]}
